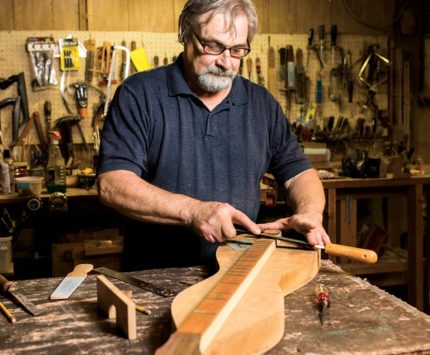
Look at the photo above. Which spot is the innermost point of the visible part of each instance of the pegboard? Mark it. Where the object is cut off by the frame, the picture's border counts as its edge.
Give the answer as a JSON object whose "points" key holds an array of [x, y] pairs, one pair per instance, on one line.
{"points": [[15, 59], [357, 45]]}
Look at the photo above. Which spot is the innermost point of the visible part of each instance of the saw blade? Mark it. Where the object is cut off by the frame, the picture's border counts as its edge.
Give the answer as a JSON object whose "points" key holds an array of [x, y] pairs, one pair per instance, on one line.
{"points": [[162, 291]]}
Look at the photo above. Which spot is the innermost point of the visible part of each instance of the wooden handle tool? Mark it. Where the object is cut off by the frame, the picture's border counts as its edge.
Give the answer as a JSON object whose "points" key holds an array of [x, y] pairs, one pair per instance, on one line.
{"points": [[366, 256], [358, 254], [9, 289], [71, 282]]}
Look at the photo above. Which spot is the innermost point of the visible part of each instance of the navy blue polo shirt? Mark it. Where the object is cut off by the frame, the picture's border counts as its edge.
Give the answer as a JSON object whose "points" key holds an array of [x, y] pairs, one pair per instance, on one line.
{"points": [[160, 130]]}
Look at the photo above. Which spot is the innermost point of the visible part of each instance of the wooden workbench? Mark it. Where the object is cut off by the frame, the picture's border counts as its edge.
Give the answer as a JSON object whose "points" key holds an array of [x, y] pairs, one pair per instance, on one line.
{"points": [[363, 318], [342, 196]]}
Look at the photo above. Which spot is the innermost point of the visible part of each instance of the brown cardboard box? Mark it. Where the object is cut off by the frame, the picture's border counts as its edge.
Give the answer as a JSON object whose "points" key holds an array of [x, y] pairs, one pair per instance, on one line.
{"points": [[100, 252]]}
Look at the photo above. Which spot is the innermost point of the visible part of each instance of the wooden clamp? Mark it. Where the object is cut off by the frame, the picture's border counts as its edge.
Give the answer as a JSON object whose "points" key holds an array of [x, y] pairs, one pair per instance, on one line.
{"points": [[117, 305]]}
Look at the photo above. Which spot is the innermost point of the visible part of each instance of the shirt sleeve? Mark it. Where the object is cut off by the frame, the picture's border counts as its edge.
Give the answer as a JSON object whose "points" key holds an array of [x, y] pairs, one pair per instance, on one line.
{"points": [[288, 159], [124, 139]]}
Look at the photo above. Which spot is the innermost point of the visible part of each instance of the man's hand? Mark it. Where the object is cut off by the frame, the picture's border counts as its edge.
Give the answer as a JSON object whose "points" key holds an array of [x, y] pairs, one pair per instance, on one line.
{"points": [[302, 223], [214, 221]]}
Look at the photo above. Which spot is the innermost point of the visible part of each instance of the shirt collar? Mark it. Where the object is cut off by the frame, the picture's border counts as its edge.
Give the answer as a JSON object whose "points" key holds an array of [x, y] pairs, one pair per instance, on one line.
{"points": [[177, 85]]}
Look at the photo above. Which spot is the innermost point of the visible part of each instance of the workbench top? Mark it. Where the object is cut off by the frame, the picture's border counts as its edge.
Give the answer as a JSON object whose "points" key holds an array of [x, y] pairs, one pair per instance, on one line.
{"points": [[363, 318]]}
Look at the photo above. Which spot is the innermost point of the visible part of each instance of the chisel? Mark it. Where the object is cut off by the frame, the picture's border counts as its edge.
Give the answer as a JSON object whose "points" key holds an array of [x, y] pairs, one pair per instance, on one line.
{"points": [[358, 254], [9, 289]]}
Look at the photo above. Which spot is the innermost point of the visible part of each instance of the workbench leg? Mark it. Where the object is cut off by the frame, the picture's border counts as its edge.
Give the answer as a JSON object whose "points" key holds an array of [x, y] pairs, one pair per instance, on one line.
{"points": [[426, 243], [415, 246], [331, 215], [347, 222]]}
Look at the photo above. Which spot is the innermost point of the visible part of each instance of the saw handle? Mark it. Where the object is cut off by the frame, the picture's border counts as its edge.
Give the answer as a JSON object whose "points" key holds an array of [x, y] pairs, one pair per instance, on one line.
{"points": [[363, 255], [80, 270], [6, 285]]}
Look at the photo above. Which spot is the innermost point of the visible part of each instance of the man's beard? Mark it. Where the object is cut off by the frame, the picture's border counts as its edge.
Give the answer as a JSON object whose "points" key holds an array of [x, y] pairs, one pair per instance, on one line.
{"points": [[214, 79]]}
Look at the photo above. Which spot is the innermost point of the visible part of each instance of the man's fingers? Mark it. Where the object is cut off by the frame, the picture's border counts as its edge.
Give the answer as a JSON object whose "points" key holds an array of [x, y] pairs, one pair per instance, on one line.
{"points": [[243, 220]]}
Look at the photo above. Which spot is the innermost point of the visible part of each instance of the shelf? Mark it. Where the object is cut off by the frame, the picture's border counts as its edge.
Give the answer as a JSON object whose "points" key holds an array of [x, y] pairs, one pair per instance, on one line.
{"points": [[382, 266]]}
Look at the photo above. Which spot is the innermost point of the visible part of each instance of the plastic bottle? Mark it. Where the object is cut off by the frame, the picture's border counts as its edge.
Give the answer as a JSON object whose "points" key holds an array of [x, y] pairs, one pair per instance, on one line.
{"points": [[7, 173], [56, 167]]}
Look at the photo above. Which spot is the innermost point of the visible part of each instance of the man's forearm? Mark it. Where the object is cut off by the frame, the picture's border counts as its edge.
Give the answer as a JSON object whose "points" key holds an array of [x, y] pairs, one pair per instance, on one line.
{"points": [[306, 194], [140, 200]]}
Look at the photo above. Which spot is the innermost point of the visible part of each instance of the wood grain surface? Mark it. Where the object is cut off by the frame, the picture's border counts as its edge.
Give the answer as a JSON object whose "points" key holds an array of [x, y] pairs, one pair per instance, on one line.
{"points": [[363, 318]]}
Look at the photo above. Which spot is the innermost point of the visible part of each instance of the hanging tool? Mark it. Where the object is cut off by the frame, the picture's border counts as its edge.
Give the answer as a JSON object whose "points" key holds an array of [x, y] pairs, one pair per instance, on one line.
{"points": [[64, 126], [373, 73], [40, 132], [20, 104], [283, 65], [310, 45], [319, 89], [81, 96], [313, 48], [16, 102], [291, 76], [271, 70], [10, 290], [104, 54], [249, 67], [125, 62], [348, 76], [321, 34], [333, 36], [373, 66], [47, 110], [41, 52], [90, 60], [162, 291], [260, 78], [19, 79], [323, 302], [111, 72], [301, 80], [156, 61]]}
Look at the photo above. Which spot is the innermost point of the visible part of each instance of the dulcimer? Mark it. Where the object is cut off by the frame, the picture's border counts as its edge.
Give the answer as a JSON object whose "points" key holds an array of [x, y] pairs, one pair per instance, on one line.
{"points": [[240, 309]]}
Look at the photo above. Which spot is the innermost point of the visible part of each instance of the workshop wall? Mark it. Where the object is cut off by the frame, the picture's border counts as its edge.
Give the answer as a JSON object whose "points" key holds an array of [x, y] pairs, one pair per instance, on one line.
{"points": [[165, 47], [281, 23], [276, 16]]}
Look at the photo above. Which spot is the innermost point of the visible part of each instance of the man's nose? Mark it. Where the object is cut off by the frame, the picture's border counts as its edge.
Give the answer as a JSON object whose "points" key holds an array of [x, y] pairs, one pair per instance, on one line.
{"points": [[224, 59]]}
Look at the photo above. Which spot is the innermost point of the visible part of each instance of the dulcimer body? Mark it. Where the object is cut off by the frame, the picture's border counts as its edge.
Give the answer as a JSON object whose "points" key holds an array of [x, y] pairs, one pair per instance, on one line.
{"points": [[240, 309]]}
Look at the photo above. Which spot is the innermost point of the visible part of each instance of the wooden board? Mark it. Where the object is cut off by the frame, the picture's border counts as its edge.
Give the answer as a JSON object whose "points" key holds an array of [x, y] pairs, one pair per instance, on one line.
{"points": [[256, 323], [117, 305]]}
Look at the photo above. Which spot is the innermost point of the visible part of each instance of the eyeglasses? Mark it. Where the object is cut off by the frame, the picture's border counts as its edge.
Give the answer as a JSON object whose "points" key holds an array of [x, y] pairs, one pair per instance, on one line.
{"points": [[217, 49]]}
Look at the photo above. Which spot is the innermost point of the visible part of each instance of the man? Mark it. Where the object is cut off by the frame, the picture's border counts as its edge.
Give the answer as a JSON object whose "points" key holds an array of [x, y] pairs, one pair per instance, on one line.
{"points": [[185, 146]]}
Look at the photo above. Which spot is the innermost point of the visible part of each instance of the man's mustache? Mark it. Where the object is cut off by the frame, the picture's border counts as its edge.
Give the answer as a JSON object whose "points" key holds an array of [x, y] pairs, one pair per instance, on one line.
{"points": [[219, 72]]}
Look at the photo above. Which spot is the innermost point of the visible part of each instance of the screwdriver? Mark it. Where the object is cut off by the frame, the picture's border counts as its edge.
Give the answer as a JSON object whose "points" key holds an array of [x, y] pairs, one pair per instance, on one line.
{"points": [[323, 302]]}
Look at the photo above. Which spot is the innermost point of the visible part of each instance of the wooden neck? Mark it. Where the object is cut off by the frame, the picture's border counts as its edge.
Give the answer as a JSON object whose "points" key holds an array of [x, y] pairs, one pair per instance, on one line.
{"points": [[202, 324]]}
